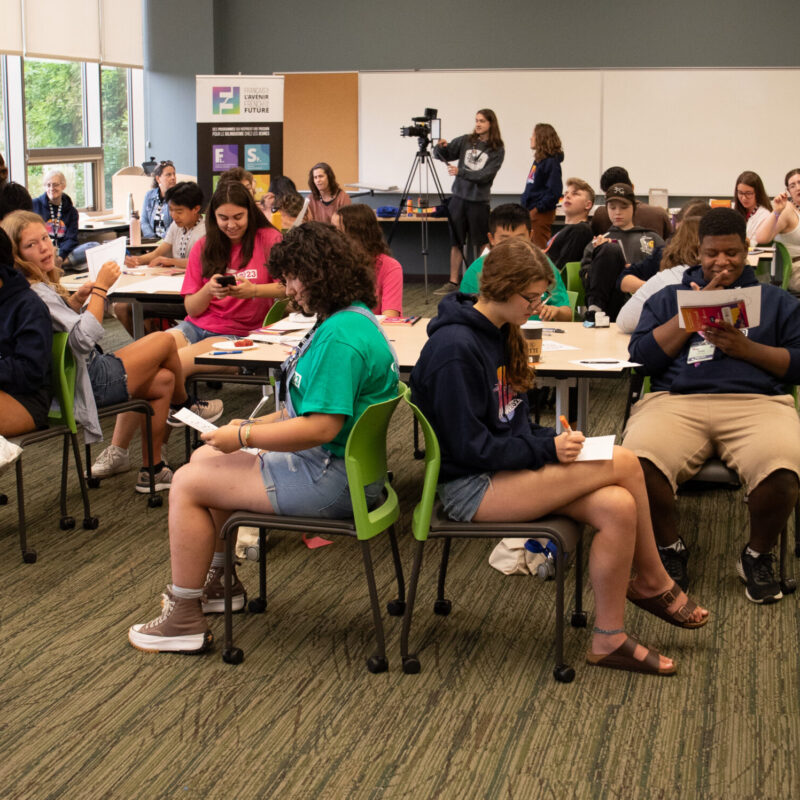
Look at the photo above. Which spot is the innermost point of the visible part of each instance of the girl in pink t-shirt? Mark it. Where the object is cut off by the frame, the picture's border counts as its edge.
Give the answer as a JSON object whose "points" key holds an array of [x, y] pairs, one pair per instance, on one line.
{"points": [[359, 223], [227, 288]]}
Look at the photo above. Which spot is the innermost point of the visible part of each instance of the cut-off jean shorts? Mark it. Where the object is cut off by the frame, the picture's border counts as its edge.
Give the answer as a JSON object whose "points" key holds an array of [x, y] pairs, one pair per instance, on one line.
{"points": [[108, 378], [194, 333], [310, 483], [462, 497]]}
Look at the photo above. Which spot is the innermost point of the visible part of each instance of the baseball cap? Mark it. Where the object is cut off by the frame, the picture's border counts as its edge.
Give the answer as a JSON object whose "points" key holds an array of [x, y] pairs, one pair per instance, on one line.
{"points": [[621, 191]]}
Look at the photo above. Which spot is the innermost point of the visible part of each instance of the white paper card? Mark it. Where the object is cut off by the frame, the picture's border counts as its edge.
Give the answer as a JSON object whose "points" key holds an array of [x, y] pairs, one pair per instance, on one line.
{"points": [[160, 284], [605, 363], [548, 345], [204, 426], [597, 448], [110, 251], [720, 297]]}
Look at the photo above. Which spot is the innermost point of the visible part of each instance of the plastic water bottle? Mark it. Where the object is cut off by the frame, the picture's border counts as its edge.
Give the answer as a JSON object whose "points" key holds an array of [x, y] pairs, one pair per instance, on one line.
{"points": [[131, 209], [135, 232], [547, 569]]}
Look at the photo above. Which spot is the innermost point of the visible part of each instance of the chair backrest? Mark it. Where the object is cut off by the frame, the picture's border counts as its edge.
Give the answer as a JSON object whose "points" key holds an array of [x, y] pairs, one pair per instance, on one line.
{"points": [[574, 283], [785, 260], [573, 302], [421, 522], [277, 312], [365, 462], [62, 410]]}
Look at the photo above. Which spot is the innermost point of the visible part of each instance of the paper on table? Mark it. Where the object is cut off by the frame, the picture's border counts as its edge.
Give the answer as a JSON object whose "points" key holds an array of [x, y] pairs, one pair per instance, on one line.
{"points": [[110, 251], [605, 363], [597, 448], [720, 297], [204, 426], [157, 284], [550, 344], [294, 322]]}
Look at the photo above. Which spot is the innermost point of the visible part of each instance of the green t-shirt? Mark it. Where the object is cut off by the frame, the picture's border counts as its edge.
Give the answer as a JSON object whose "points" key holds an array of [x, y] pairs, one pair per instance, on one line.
{"points": [[347, 367], [470, 284]]}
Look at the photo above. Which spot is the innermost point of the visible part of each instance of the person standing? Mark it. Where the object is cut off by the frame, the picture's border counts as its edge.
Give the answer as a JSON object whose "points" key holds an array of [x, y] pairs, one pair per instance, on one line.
{"points": [[543, 187], [479, 156]]}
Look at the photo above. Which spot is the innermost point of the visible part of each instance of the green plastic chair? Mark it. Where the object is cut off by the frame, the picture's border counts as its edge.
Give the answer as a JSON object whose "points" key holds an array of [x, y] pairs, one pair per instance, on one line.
{"points": [[276, 313], [574, 283], [429, 521], [573, 302], [61, 420], [785, 260], [365, 463]]}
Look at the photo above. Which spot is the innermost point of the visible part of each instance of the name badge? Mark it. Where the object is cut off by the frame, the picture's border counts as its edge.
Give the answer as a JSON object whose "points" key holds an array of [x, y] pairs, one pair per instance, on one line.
{"points": [[700, 351]]}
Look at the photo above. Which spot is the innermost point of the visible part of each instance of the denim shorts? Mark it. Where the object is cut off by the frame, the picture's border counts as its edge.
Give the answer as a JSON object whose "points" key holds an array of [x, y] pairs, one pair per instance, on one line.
{"points": [[310, 483], [462, 497], [194, 333], [109, 381]]}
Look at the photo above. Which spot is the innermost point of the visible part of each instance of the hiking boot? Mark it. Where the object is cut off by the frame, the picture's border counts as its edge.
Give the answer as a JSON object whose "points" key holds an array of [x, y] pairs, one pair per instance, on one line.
{"points": [[111, 461], [181, 628], [758, 573], [209, 410], [446, 288], [214, 592], [676, 563], [163, 480]]}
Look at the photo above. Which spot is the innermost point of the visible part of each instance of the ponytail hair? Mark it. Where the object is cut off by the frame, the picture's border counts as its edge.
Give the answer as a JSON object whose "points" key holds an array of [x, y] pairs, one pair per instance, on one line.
{"points": [[509, 269]]}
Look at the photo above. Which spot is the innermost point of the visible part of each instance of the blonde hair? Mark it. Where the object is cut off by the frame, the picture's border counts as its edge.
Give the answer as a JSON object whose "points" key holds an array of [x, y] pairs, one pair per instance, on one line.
{"points": [[509, 269], [14, 224]]}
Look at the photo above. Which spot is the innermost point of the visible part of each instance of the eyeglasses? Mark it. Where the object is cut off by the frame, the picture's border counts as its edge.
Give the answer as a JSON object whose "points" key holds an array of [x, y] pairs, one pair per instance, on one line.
{"points": [[532, 299], [751, 193]]}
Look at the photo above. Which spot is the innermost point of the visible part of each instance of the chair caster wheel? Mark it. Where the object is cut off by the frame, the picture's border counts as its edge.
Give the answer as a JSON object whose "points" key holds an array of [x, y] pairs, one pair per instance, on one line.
{"points": [[788, 585], [257, 606], [396, 608], [29, 556], [411, 665], [563, 673], [3, 499], [578, 619], [442, 607], [90, 523], [155, 501], [67, 523], [234, 655], [377, 664], [93, 483]]}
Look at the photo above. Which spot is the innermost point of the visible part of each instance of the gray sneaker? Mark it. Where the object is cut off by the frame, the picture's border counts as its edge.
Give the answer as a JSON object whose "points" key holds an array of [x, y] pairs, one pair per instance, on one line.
{"points": [[111, 461], [181, 628], [214, 593], [446, 288], [210, 410], [163, 480]]}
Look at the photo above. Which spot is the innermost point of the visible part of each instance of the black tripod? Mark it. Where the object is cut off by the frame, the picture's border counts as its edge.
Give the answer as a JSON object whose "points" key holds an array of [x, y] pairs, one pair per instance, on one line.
{"points": [[422, 164]]}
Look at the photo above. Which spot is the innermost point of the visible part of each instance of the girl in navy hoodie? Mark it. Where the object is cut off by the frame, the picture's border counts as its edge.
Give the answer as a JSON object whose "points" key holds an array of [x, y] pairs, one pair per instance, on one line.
{"points": [[471, 382], [543, 187]]}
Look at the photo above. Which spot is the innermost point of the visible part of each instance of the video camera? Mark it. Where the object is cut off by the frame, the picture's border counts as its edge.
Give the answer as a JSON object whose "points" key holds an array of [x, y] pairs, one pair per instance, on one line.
{"points": [[426, 128]]}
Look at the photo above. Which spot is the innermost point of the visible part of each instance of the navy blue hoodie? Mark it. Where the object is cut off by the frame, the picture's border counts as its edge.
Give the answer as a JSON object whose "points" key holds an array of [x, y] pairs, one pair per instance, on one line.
{"points": [[543, 187], [458, 383], [26, 336], [779, 327]]}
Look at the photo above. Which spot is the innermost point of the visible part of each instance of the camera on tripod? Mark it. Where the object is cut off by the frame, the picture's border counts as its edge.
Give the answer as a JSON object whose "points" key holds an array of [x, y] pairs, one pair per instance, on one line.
{"points": [[426, 128]]}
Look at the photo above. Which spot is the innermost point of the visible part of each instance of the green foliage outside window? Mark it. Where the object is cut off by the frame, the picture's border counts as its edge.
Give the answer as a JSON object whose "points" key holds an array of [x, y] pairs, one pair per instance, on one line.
{"points": [[114, 89]]}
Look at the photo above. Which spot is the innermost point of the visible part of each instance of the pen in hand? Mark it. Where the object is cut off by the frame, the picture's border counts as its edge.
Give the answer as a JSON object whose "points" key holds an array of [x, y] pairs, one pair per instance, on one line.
{"points": [[565, 425]]}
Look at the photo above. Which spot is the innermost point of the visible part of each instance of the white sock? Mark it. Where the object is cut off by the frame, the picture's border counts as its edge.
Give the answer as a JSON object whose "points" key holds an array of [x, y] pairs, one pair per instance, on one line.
{"points": [[749, 550], [186, 594], [218, 560]]}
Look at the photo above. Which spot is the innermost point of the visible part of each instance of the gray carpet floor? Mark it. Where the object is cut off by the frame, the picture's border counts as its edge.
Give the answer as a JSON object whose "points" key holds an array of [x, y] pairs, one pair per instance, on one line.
{"points": [[86, 716]]}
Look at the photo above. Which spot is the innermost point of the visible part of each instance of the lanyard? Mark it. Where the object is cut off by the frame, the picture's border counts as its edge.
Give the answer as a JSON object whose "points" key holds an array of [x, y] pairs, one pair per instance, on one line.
{"points": [[55, 220]]}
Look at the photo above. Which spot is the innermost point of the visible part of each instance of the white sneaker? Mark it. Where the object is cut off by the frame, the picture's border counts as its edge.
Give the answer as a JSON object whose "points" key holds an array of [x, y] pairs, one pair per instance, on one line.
{"points": [[111, 461], [210, 410], [163, 480]]}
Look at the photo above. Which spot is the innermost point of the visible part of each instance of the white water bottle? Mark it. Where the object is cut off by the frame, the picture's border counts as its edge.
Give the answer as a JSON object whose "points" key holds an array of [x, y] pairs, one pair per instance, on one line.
{"points": [[131, 210], [135, 233]]}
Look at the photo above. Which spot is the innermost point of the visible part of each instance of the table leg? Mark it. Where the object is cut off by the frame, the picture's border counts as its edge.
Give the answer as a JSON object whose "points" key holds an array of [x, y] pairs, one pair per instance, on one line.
{"points": [[562, 400], [138, 319], [583, 404]]}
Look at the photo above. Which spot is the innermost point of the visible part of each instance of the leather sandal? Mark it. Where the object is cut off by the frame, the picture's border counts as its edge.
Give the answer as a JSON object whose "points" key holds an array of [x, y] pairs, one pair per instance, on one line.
{"points": [[623, 658], [657, 605]]}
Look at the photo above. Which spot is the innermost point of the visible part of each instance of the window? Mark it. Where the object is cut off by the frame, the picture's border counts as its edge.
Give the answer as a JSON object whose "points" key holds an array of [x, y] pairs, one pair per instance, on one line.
{"points": [[54, 103], [79, 181], [116, 129]]}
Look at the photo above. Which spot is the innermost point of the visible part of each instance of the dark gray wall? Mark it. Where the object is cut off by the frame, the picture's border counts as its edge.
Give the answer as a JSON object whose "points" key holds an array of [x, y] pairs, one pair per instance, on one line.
{"points": [[311, 35], [178, 44]]}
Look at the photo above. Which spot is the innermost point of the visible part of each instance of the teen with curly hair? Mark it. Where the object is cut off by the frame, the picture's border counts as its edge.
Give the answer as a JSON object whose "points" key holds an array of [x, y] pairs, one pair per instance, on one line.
{"points": [[543, 187], [497, 466], [344, 365]]}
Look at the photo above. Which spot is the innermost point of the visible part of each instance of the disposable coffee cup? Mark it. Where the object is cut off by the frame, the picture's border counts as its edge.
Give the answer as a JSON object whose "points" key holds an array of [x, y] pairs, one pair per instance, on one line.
{"points": [[533, 343]]}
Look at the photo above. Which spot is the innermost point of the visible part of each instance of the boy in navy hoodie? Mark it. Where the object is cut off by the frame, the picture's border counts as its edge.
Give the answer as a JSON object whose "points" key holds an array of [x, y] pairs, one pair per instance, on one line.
{"points": [[720, 392]]}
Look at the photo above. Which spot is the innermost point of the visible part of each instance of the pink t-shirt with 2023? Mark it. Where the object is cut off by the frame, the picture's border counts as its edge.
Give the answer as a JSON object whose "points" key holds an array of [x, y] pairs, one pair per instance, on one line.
{"points": [[231, 315], [388, 284]]}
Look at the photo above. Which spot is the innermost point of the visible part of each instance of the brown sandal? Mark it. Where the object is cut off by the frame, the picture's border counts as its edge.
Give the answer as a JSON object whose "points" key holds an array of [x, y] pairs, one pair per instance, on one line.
{"points": [[681, 617], [623, 658]]}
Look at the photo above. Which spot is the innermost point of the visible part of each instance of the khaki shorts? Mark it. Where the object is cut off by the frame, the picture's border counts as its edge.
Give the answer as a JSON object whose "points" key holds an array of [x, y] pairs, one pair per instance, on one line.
{"points": [[753, 434]]}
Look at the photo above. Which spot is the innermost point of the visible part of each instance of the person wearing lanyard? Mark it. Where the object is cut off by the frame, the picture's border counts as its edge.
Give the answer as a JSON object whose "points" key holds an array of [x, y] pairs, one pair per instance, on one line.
{"points": [[60, 217], [155, 213], [344, 365]]}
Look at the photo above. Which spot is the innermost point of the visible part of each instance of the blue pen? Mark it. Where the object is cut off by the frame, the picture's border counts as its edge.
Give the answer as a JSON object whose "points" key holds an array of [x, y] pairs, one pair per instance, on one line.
{"points": [[227, 352]]}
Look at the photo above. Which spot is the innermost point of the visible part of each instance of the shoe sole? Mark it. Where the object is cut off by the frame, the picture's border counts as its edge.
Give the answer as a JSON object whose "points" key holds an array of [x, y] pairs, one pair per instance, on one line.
{"points": [[217, 606], [764, 601], [101, 475], [160, 487], [188, 645]]}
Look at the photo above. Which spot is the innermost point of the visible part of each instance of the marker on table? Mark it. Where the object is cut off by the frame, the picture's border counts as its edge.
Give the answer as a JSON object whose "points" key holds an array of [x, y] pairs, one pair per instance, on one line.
{"points": [[227, 352], [565, 425]]}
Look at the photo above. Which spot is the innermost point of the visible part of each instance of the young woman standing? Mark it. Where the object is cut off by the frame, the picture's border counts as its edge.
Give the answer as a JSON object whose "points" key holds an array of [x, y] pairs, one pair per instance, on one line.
{"points": [[543, 187]]}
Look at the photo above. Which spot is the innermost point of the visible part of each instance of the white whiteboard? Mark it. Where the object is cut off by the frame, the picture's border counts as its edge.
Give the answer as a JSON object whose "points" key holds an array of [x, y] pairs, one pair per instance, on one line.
{"points": [[689, 131], [520, 98]]}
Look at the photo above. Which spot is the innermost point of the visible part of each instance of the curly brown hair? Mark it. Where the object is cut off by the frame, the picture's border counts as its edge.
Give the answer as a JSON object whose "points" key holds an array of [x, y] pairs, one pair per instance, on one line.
{"points": [[334, 273], [548, 142], [361, 225], [510, 268]]}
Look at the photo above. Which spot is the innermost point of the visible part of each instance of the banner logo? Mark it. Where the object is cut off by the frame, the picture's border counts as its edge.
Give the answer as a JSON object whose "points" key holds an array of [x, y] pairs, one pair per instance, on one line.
{"points": [[256, 157], [225, 99]]}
